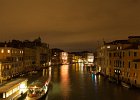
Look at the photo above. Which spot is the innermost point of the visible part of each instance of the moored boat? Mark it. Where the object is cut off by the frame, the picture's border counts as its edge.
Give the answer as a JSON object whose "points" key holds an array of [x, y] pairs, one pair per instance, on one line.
{"points": [[125, 85], [37, 89]]}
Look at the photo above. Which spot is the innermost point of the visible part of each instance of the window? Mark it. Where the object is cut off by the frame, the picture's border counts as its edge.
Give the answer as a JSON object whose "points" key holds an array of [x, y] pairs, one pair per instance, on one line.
{"points": [[1, 95], [120, 64], [129, 64], [123, 54], [108, 46], [12, 51], [2, 51], [8, 51], [119, 48], [120, 54], [135, 66], [114, 54], [127, 74], [129, 53], [109, 54], [123, 63], [114, 63], [135, 82], [135, 54]]}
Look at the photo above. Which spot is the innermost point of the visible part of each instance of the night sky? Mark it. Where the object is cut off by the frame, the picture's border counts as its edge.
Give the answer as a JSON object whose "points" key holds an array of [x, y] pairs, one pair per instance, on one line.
{"points": [[69, 24]]}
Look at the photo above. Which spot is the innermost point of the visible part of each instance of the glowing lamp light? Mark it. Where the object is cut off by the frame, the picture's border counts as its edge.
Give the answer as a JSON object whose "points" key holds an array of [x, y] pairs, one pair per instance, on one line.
{"points": [[49, 63], [22, 86], [2, 51], [8, 51], [99, 69], [35, 87], [119, 71]]}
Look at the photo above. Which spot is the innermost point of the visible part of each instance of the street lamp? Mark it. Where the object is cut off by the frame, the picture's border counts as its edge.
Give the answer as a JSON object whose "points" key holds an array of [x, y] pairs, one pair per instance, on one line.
{"points": [[117, 72]]}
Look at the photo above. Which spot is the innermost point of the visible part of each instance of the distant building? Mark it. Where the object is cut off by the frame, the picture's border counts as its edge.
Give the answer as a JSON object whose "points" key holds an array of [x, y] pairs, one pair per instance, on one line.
{"points": [[82, 57], [88, 57], [64, 58], [56, 56]]}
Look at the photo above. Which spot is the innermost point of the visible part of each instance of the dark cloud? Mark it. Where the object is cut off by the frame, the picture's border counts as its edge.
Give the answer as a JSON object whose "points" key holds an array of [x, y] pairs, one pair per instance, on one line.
{"points": [[69, 22]]}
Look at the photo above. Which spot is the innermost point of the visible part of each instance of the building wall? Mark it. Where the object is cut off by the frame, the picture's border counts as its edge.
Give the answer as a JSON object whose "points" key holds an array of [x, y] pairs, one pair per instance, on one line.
{"points": [[42, 56], [11, 60], [17, 57], [127, 62], [121, 59], [29, 59]]}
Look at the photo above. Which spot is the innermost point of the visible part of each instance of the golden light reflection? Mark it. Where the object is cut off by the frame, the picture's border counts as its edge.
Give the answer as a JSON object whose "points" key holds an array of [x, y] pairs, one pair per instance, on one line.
{"points": [[65, 85]]}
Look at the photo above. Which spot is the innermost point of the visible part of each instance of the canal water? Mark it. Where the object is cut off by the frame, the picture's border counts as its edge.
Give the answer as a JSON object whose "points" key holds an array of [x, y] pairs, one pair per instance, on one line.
{"points": [[74, 82]]}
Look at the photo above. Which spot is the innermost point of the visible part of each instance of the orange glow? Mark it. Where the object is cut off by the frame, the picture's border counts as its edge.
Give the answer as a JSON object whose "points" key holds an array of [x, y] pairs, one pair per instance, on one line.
{"points": [[65, 80], [64, 57]]}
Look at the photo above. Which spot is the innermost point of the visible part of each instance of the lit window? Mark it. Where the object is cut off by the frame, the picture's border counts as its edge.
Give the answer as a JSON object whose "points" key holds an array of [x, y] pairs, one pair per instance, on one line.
{"points": [[108, 46], [119, 71], [8, 51], [2, 51], [9, 66]]}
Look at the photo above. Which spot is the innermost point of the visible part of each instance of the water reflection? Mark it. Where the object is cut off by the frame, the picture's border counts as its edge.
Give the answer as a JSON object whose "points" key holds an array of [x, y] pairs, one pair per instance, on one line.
{"points": [[74, 82], [79, 67], [64, 83]]}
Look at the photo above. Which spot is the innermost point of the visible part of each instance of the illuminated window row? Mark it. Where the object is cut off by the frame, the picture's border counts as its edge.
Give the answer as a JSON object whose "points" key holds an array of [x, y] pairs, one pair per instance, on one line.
{"points": [[11, 51]]}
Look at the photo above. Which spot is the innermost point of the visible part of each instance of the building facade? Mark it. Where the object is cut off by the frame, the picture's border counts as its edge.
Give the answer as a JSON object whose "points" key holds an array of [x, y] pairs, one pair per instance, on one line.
{"points": [[120, 59], [17, 57], [11, 62]]}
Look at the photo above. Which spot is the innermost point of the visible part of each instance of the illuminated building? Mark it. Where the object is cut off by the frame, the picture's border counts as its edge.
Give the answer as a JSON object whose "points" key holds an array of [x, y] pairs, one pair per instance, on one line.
{"points": [[11, 62], [29, 59], [56, 56], [17, 57], [121, 59], [64, 58], [88, 58]]}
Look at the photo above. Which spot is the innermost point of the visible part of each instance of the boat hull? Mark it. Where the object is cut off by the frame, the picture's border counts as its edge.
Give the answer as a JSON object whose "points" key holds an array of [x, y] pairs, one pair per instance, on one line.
{"points": [[37, 89], [42, 97], [125, 85]]}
